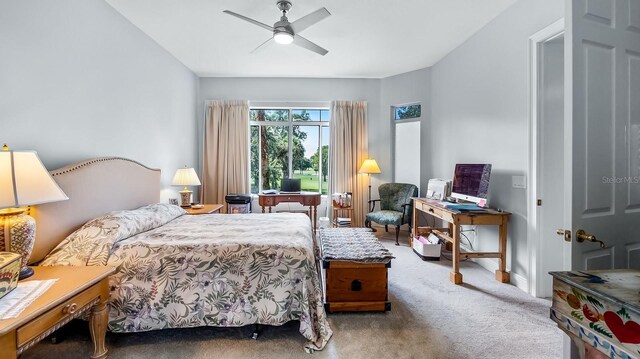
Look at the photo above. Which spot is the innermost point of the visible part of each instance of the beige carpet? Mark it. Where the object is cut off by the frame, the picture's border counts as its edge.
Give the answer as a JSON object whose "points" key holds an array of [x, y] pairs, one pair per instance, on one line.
{"points": [[430, 318]]}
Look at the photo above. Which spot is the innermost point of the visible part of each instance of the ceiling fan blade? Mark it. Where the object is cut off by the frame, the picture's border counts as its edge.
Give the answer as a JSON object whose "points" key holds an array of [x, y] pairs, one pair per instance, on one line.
{"points": [[310, 19], [261, 45], [255, 22], [301, 41]]}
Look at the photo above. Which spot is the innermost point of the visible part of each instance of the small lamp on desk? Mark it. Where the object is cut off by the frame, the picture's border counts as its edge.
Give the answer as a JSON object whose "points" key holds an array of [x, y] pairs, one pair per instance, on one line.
{"points": [[369, 166], [185, 177], [23, 182]]}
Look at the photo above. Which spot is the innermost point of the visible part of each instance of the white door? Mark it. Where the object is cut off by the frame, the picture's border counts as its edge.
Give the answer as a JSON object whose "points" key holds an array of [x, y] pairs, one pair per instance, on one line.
{"points": [[407, 158], [602, 135]]}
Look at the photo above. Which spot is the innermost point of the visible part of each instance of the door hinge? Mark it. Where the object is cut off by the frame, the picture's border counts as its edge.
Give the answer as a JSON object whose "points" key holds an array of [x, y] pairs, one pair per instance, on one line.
{"points": [[539, 202]]}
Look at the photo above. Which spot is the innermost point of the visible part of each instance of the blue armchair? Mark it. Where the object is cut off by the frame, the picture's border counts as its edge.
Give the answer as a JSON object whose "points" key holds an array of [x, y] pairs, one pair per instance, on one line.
{"points": [[396, 206]]}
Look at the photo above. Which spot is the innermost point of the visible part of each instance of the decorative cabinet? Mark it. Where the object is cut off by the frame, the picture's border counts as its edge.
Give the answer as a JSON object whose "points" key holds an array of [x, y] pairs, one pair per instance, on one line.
{"points": [[599, 310]]}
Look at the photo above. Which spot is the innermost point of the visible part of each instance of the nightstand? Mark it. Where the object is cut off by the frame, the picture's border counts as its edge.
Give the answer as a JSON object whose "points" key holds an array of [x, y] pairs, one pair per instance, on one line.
{"points": [[342, 212], [208, 208], [78, 290]]}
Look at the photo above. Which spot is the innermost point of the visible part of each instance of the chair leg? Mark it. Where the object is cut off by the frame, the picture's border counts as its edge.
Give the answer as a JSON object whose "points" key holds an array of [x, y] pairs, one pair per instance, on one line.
{"points": [[386, 228], [367, 223], [397, 235]]}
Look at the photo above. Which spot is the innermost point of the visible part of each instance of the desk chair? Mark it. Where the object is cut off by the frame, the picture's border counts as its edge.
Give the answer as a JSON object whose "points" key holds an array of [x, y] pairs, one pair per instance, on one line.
{"points": [[395, 206]]}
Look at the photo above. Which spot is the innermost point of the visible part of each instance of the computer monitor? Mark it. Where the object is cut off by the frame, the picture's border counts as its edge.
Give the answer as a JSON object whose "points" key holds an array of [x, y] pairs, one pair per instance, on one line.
{"points": [[290, 185], [471, 182]]}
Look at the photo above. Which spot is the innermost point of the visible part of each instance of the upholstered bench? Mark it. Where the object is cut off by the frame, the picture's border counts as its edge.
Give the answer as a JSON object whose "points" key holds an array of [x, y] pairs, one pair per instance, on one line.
{"points": [[355, 267]]}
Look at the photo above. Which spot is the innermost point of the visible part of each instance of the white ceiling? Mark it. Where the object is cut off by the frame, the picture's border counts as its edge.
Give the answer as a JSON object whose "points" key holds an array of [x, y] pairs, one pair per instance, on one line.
{"points": [[365, 38]]}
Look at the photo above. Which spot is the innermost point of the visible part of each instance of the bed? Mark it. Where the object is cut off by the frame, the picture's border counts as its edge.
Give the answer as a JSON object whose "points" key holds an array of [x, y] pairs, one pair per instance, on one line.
{"points": [[176, 270]]}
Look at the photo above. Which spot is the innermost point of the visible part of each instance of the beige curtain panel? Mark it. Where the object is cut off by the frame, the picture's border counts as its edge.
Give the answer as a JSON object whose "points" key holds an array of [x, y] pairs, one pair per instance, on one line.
{"points": [[347, 150], [225, 167]]}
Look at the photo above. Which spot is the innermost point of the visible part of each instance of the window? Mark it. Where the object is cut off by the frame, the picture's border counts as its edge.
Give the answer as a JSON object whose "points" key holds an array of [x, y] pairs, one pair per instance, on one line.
{"points": [[407, 112], [289, 143]]}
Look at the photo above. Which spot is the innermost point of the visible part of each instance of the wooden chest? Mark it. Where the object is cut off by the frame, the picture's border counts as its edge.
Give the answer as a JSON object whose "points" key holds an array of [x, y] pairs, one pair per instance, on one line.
{"points": [[355, 287]]}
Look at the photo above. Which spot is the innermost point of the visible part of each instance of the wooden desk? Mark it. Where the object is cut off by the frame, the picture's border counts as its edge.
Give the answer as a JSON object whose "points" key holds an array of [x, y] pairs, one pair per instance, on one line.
{"points": [[208, 208], [311, 199], [457, 219], [78, 290]]}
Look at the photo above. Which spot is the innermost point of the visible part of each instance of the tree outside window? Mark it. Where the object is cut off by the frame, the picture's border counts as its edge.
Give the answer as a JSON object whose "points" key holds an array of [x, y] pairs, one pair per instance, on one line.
{"points": [[282, 147], [407, 112]]}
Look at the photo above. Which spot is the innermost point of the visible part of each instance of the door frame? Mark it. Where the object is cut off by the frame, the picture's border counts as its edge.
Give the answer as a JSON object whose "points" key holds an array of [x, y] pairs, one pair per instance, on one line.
{"points": [[534, 235]]}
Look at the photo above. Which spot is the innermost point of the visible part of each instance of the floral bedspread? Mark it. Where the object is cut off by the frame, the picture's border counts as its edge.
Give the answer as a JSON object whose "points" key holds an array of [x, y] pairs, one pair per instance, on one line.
{"points": [[176, 271]]}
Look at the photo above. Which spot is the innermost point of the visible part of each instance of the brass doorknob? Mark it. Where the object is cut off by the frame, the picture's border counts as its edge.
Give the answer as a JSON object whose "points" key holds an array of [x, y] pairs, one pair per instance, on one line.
{"points": [[582, 236]]}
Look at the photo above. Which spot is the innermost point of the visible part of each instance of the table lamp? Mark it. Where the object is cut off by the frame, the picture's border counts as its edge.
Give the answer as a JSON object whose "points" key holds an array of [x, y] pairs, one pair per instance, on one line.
{"points": [[369, 166], [23, 182], [185, 177]]}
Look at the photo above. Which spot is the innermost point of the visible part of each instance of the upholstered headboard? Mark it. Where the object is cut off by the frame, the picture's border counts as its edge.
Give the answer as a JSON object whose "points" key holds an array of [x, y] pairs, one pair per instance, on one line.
{"points": [[94, 187]]}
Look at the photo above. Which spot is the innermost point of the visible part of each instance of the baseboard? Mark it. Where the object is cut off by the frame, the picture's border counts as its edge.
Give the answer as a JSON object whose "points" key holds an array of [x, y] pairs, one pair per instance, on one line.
{"points": [[516, 279]]}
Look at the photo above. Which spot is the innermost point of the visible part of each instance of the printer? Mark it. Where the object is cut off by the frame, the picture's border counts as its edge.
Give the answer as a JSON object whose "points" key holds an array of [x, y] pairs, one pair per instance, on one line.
{"points": [[438, 189]]}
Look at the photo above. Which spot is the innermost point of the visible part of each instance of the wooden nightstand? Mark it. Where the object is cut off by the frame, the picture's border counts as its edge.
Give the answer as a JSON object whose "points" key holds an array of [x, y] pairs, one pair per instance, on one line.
{"points": [[78, 290], [208, 208], [343, 212]]}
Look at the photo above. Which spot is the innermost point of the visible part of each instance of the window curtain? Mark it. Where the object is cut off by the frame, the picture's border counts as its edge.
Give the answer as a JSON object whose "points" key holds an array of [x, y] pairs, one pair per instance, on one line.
{"points": [[347, 150], [225, 167]]}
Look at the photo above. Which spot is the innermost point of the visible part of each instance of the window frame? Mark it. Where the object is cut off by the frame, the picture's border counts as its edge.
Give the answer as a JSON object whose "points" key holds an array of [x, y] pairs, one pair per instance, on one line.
{"points": [[394, 107], [290, 123]]}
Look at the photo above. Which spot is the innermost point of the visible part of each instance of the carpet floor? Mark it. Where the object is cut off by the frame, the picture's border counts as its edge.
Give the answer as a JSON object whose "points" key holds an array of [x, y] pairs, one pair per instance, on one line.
{"points": [[430, 318]]}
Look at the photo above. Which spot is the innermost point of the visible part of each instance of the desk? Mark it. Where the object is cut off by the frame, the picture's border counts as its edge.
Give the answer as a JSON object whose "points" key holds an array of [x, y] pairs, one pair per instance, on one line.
{"points": [[311, 199], [457, 219]]}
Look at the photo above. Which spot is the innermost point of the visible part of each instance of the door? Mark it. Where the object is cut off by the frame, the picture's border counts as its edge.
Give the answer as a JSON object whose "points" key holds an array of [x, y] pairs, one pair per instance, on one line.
{"points": [[602, 137]]}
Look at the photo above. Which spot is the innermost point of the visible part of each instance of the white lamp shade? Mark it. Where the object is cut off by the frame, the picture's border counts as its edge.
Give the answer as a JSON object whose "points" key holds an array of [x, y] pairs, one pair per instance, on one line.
{"points": [[369, 166], [186, 177], [25, 181]]}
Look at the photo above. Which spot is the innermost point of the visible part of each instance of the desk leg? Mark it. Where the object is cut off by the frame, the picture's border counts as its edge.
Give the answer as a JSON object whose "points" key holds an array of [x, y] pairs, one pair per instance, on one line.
{"points": [[501, 274], [269, 209], [262, 208], [98, 327], [414, 229], [455, 276]]}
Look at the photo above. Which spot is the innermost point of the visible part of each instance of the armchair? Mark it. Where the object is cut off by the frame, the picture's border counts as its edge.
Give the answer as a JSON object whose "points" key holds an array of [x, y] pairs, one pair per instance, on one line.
{"points": [[395, 206]]}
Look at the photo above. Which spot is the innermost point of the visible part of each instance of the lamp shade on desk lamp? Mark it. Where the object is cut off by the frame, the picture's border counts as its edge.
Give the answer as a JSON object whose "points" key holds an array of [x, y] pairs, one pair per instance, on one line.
{"points": [[24, 181], [185, 177]]}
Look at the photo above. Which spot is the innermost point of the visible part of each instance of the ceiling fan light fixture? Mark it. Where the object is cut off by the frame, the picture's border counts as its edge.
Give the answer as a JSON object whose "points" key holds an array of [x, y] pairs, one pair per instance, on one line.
{"points": [[283, 37]]}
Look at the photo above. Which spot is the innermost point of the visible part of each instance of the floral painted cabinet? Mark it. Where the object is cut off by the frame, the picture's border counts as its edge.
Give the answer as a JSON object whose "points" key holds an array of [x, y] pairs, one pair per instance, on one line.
{"points": [[600, 309]]}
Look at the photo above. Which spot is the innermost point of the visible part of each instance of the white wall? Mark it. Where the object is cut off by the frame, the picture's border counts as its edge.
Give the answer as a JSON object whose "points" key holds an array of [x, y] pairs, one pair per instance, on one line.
{"points": [[78, 80], [306, 90], [414, 86], [480, 115]]}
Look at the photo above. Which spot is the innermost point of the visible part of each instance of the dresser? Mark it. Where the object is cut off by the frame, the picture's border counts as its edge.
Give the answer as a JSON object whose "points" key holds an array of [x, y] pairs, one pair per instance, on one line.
{"points": [[600, 311]]}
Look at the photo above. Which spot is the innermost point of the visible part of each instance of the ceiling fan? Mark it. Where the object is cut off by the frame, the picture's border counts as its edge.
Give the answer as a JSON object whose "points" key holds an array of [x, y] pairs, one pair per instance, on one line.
{"points": [[285, 32]]}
